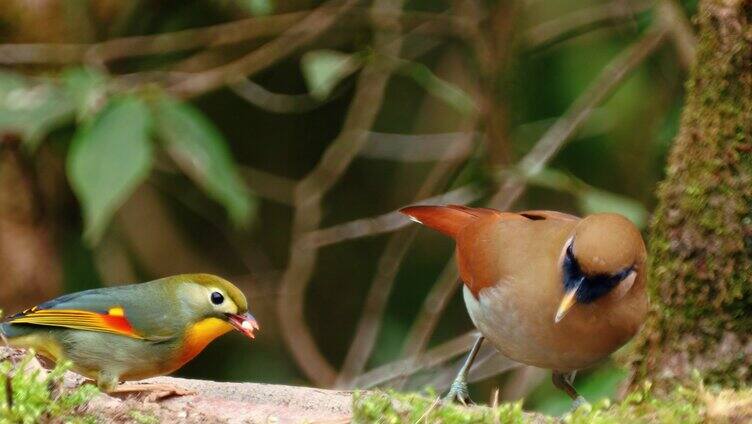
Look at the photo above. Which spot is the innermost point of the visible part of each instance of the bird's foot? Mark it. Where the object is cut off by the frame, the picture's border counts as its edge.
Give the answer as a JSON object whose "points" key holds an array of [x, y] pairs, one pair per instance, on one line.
{"points": [[150, 391], [578, 402], [459, 393]]}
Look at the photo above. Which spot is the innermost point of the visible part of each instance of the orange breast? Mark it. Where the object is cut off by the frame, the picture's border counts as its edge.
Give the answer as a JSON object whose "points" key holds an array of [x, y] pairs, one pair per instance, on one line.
{"points": [[201, 334]]}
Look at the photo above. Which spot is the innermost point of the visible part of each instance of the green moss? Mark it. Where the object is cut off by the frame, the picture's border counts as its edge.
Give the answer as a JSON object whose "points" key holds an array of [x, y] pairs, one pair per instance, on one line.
{"points": [[689, 404], [681, 406], [141, 417], [701, 235], [28, 396], [394, 408]]}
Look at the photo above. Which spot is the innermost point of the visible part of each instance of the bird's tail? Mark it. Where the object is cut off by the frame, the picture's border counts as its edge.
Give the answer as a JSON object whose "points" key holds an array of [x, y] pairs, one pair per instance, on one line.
{"points": [[8, 331], [450, 219]]}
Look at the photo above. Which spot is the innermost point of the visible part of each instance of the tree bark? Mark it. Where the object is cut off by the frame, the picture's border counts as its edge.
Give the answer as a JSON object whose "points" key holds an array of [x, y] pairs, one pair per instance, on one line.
{"points": [[701, 234]]}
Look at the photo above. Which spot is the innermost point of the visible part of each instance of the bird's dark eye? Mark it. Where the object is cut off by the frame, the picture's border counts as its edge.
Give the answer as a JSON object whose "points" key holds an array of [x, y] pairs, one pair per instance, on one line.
{"points": [[217, 298]]}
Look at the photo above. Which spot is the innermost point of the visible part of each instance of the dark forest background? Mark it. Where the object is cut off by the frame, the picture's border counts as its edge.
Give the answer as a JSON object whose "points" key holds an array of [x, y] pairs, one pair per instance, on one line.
{"points": [[272, 141]]}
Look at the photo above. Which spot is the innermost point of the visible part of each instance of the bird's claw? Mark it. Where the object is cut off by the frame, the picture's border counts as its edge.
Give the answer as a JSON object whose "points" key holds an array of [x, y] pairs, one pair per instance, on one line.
{"points": [[151, 392], [578, 402], [459, 393]]}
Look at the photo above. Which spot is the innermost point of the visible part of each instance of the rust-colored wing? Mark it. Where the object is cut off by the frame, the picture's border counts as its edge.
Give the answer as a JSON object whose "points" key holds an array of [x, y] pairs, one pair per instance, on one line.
{"points": [[475, 230], [451, 219]]}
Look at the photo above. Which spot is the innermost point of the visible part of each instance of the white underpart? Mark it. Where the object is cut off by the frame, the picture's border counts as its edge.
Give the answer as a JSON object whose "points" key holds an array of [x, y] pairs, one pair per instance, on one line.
{"points": [[497, 317]]}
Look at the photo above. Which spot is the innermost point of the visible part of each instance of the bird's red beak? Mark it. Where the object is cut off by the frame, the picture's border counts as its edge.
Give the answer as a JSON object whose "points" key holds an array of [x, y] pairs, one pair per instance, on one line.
{"points": [[245, 323]]}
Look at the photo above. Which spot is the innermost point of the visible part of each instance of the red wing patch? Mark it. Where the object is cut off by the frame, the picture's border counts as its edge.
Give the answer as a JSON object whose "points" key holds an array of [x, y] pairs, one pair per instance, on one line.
{"points": [[113, 322]]}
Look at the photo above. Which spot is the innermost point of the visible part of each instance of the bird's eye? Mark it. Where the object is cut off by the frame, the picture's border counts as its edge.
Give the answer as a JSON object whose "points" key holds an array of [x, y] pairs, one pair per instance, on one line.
{"points": [[217, 298]]}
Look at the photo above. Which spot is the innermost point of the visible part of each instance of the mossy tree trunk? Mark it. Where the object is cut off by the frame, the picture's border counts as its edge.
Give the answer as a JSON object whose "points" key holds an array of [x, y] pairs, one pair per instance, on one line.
{"points": [[701, 235]]}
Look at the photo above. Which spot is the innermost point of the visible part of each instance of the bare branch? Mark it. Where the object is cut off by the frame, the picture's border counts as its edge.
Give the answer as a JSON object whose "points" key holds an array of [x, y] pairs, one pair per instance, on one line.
{"points": [[522, 381], [370, 320], [305, 31], [212, 36], [11, 54], [106, 51], [269, 186], [428, 317], [258, 96], [680, 30], [366, 227], [582, 21], [410, 366], [417, 147], [565, 127], [487, 364]]}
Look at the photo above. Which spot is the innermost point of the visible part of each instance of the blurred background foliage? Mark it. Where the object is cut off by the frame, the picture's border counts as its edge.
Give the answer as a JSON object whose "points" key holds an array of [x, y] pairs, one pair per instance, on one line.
{"points": [[147, 138]]}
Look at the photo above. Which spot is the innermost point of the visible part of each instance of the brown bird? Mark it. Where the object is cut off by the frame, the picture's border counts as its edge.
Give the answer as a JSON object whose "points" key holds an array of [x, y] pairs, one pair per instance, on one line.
{"points": [[546, 288]]}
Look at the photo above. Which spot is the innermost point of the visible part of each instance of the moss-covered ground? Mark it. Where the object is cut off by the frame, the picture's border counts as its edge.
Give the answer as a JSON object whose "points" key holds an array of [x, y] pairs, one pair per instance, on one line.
{"points": [[682, 405], [30, 395]]}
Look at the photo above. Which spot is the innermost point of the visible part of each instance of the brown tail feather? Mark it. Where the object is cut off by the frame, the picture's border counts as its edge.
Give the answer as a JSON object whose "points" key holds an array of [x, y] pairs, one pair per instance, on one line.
{"points": [[449, 220]]}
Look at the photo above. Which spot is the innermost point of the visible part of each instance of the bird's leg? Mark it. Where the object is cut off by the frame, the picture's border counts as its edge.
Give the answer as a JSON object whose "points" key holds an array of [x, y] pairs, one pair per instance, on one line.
{"points": [[459, 390], [563, 381]]}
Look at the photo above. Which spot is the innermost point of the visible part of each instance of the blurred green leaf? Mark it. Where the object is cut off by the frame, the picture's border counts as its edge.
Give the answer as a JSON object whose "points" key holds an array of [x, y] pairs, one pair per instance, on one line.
{"points": [[108, 158], [596, 201], [259, 7], [9, 82], [86, 87], [203, 154], [453, 95], [31, 110], [324, 69]]}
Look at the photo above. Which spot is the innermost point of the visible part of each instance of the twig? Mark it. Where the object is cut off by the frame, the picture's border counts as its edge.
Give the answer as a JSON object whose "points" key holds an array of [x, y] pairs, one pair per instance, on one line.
{"points": [[11, 54], [306, 30], [308, 194], [433, 406], [495, 405], [409, 366], [257, 95], [385, 223], [522, 381], [212, 36], [119, 48], [488, 364], [565, 127], [680, 30], [428, 317], [417, 147], [582, 21], [269, 186], [370, 320]]}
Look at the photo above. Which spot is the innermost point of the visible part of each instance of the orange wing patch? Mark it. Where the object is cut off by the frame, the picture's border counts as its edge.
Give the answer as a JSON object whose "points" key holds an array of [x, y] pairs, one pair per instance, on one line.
{"points": [[113, 322]]}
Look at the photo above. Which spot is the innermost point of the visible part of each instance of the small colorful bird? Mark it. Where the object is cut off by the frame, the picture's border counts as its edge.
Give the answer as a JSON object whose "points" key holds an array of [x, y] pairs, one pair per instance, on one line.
{"points": [[546, 288], [132, 332]]}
